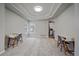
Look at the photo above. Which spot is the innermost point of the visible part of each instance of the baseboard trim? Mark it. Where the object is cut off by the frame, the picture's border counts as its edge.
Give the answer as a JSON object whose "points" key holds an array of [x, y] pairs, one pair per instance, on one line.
{"points": [[2, 52]]}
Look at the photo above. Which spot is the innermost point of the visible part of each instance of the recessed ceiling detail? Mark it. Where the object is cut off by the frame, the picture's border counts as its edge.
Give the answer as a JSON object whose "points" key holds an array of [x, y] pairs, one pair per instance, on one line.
{"points": [[38, 8], [38, 11]]}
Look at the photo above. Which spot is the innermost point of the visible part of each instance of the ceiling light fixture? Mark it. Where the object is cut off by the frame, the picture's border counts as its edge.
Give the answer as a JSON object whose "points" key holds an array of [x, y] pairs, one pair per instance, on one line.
{"points": [[38, 8]]}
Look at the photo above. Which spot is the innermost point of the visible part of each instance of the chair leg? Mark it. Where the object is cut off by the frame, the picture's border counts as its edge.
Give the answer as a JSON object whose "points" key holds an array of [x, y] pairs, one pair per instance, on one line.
{"points": [[17, 42], [8, 42], [58, 44], [21, 39], [65, 51], [14, 43], [61, 47]]}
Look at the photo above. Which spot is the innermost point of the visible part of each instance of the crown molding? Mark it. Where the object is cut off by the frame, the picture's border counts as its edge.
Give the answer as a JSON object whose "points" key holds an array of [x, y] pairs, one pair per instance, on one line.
{"points": [[22, 11]]}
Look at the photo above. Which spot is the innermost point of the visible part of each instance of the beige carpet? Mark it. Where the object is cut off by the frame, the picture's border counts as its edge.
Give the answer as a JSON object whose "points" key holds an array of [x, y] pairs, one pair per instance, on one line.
{"points": [[35, 47]]}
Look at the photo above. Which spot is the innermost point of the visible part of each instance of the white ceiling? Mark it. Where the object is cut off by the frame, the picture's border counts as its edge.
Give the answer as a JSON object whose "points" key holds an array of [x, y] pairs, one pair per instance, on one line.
{"points": [[26, 10]]}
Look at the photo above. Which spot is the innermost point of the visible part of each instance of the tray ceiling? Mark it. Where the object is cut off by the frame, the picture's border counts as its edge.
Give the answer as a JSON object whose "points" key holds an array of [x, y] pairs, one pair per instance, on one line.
{"points": [[27, 11]]}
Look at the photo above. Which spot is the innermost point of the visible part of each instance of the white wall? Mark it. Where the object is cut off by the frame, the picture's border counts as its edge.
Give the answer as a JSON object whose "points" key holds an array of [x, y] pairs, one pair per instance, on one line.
{"points": [[76, 20], [2, 27], [67, 24], [64, 23], [15, 23], [40, 29]]}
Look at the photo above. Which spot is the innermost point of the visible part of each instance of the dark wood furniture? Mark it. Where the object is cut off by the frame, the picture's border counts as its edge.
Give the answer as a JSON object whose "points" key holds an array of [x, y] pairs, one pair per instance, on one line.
{"points": [[69, 47], [19, 38], [12, 40], [60, 42], [51, 33], [6, 42]]}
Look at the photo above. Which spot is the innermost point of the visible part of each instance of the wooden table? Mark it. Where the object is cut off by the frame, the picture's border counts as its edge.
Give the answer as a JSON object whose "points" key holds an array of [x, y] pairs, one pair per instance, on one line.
{"points": [[69, 47], [12, 40]]}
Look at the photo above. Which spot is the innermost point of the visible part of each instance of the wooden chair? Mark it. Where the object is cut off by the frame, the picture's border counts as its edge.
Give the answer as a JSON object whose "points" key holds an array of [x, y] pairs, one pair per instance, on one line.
{"points": [[12, 41], [6, 42], [69, 47], [60, 42], [19, 38]]}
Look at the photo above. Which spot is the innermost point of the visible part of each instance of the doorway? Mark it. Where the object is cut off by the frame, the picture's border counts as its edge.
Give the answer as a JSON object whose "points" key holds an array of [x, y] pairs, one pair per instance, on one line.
{"points": [[51, 29]]}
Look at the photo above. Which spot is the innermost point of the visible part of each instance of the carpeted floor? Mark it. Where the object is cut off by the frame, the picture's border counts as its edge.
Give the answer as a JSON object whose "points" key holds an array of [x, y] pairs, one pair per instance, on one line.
{"points": [[35, 47]]}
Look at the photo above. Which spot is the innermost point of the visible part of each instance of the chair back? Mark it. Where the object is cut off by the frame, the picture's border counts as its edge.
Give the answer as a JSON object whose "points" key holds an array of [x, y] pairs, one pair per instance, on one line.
{"points": [[59, 39]]}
